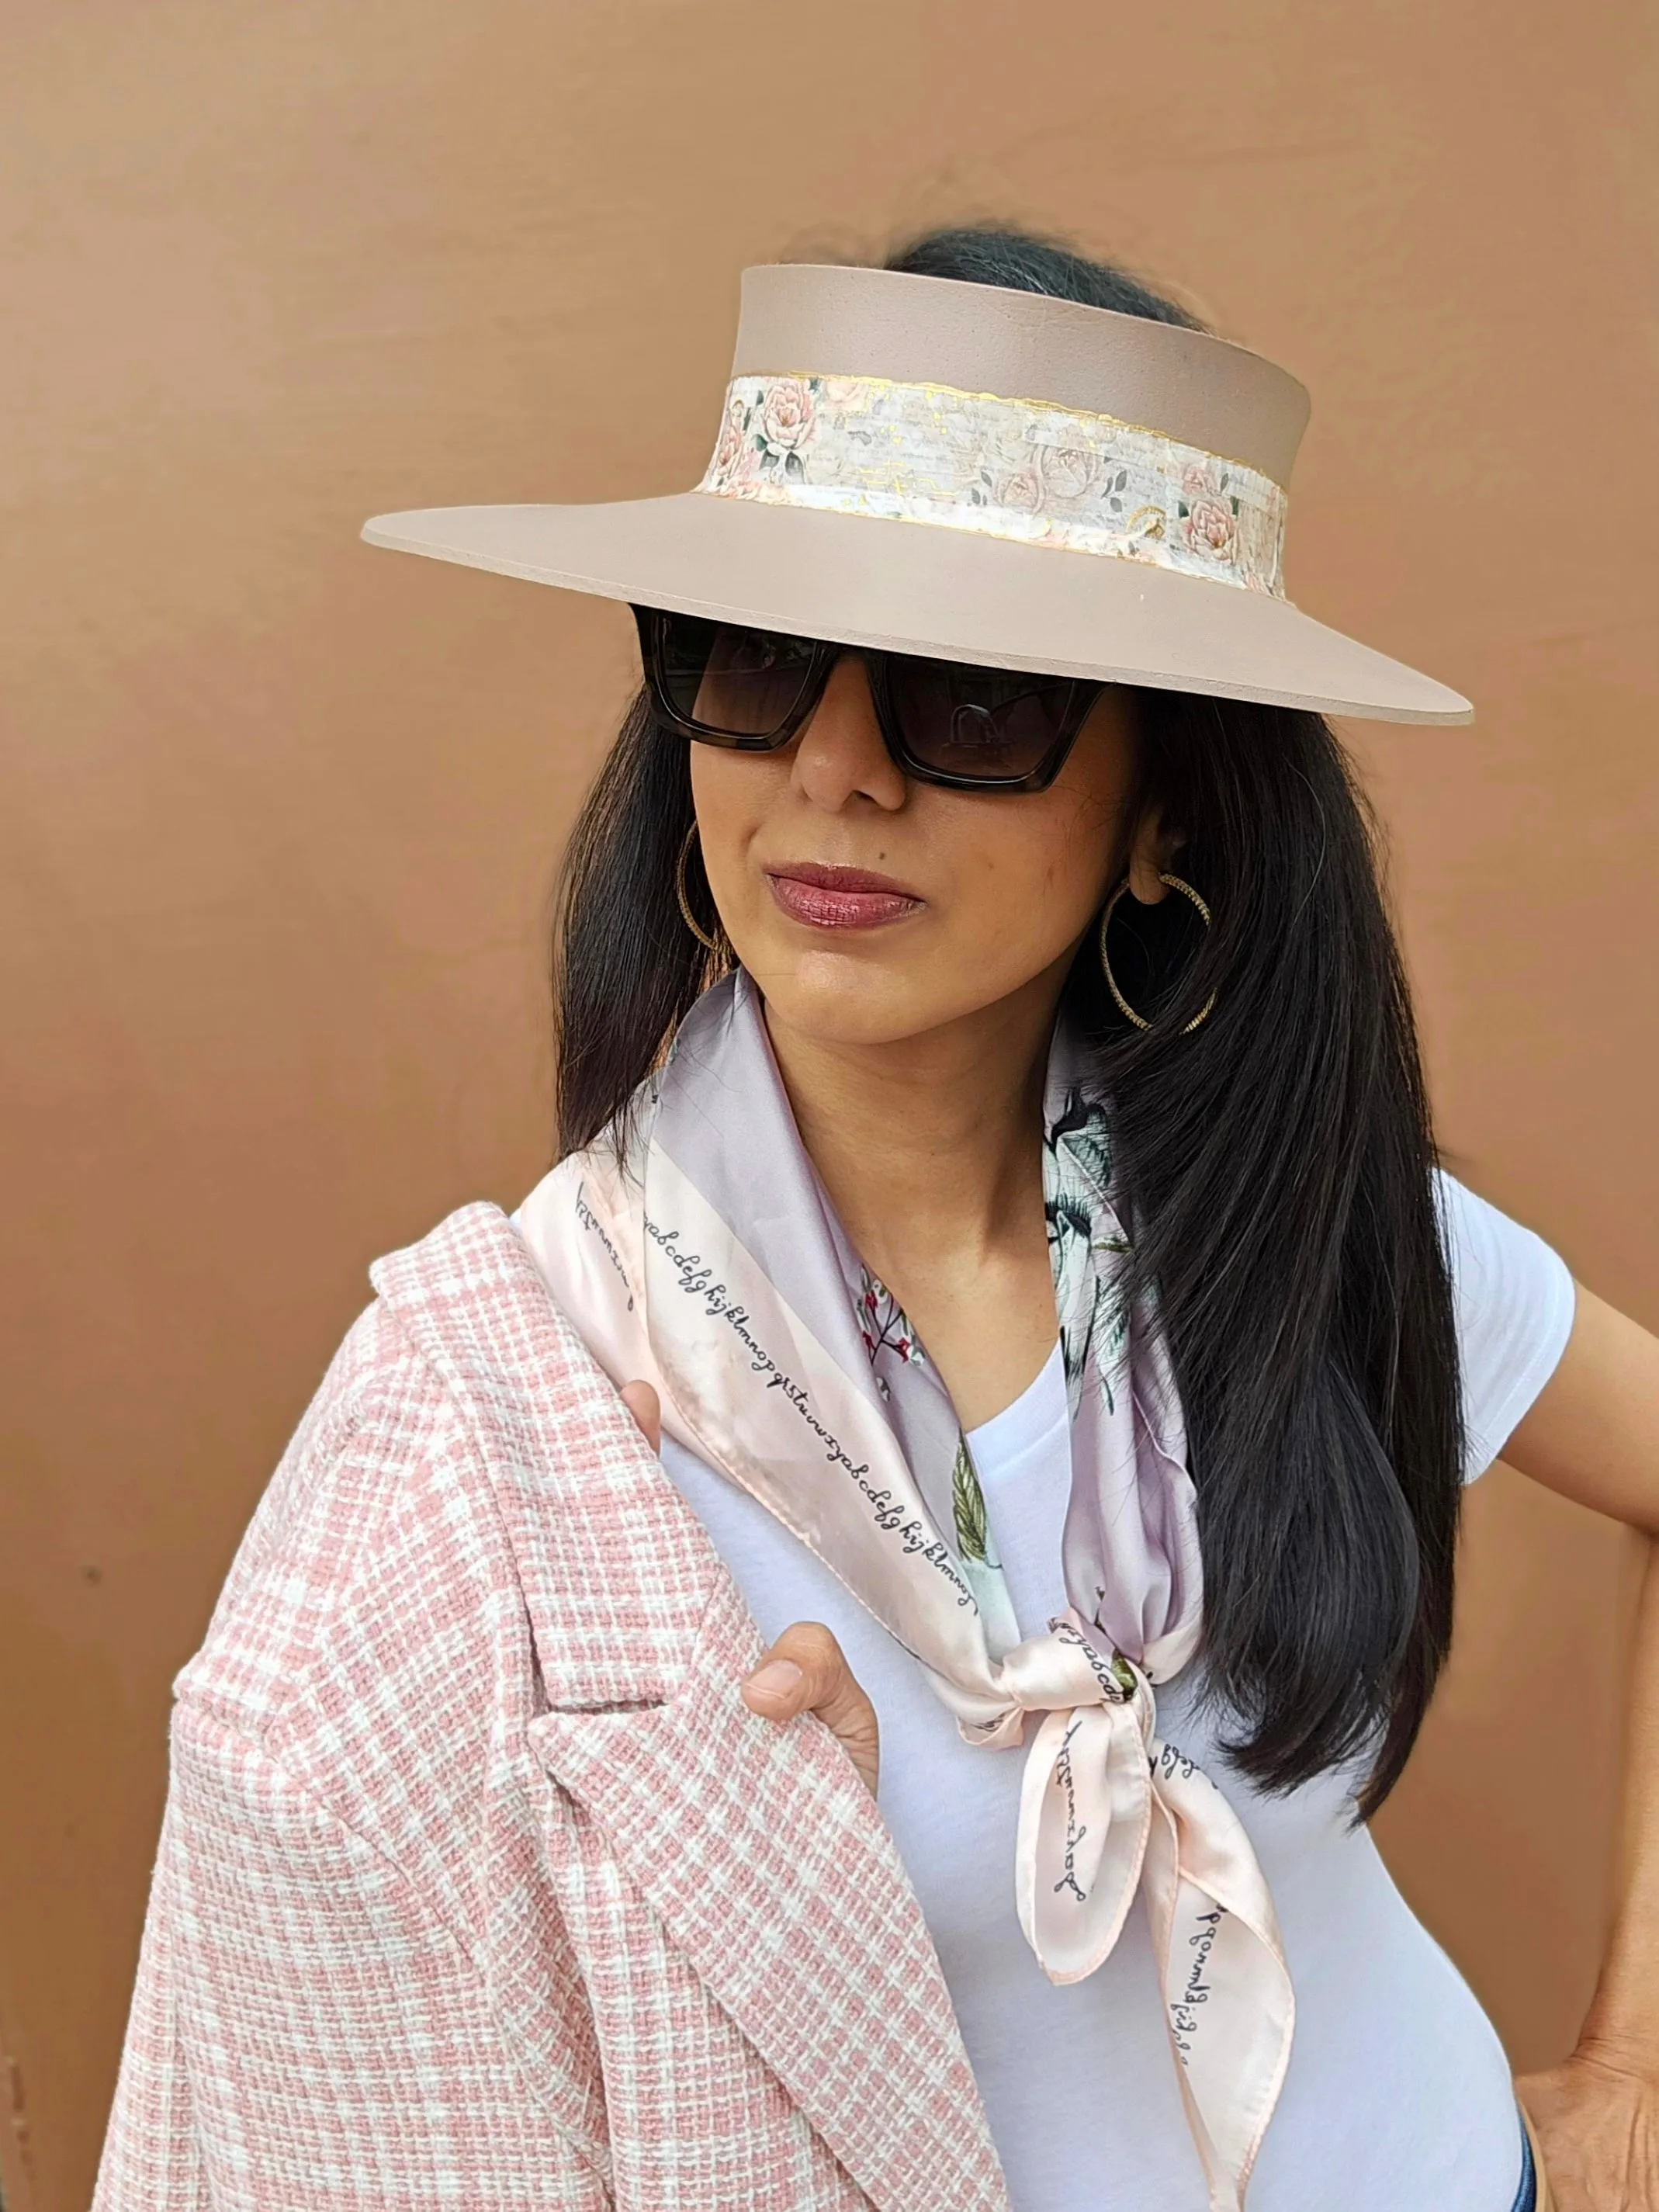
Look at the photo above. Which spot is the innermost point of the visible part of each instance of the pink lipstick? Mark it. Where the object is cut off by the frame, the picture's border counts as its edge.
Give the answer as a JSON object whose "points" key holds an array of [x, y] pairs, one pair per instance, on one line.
{"points": [[840, 898]]}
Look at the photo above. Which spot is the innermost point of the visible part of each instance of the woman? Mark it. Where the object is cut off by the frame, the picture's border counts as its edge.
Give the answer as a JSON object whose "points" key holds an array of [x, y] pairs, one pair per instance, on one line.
{"points": [[1031, 1259]]}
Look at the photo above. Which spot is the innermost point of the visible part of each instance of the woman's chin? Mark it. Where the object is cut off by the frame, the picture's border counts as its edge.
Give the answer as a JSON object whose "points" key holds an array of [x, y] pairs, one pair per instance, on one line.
{"points": [[837, 997]]}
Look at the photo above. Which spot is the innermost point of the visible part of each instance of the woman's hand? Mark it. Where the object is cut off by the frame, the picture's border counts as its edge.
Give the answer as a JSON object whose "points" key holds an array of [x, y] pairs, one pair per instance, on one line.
{"points": [[805, 1671], [1597, 2123]]}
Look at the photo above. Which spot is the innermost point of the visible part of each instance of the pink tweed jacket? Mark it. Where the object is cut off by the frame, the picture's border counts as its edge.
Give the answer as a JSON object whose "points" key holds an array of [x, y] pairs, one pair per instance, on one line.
{"points": [[479, 1886]]}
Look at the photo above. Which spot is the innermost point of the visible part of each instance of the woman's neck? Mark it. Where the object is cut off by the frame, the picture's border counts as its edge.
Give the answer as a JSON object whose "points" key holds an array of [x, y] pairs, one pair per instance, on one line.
{"points": [[930, 1150]]}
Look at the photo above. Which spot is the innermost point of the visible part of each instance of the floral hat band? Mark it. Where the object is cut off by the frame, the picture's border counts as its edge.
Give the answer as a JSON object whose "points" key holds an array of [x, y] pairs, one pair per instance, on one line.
{"points": [[1081, 529], [1006, 468]]}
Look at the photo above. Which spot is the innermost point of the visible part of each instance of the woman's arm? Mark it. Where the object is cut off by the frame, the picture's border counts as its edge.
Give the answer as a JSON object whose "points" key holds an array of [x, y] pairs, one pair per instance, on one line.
{"points": [[1594, 1433], [1593, 1436]]}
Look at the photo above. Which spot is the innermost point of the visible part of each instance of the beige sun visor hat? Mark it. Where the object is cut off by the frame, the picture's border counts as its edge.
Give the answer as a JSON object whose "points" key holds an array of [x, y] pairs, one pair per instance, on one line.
{"points": [[1089, 495]]}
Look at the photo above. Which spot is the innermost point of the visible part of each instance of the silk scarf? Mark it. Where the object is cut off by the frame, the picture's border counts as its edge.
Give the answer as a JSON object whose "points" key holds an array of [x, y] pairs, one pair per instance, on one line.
{"points": [[696, 1248]]}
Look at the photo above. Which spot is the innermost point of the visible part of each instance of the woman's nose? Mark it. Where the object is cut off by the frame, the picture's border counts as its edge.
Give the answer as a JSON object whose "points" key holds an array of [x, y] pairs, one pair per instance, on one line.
{"points": [[840, 755]]}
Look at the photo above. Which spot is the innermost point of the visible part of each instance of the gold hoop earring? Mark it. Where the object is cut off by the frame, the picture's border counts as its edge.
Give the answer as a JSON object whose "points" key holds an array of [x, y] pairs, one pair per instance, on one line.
{"points": [[718, 945], [1176, 883]]}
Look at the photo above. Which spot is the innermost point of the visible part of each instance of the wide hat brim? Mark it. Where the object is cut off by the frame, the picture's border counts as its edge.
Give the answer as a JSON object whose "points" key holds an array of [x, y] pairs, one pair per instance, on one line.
{"points": [[913, 587], [871, 488]]}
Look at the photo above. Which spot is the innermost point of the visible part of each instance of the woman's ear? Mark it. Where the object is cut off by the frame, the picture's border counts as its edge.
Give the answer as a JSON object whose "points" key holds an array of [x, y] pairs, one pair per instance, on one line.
{"points": [[1152, 851]]}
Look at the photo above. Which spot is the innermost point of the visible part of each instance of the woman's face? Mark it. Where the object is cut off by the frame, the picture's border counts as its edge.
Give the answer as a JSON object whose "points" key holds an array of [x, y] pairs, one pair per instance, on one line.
{"points": [[869, 908]]}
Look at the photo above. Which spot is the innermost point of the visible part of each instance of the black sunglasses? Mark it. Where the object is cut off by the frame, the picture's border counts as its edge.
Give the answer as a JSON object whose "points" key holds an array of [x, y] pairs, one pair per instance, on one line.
{"points": [[945, 721]]}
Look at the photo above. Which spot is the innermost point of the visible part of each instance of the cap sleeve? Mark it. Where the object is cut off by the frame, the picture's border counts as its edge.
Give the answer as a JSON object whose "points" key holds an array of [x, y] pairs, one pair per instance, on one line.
{"points": [[1513, 1299]]}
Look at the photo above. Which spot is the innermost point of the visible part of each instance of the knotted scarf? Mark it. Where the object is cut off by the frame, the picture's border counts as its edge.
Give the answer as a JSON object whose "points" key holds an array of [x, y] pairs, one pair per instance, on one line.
{"points": [[699, 1252]]}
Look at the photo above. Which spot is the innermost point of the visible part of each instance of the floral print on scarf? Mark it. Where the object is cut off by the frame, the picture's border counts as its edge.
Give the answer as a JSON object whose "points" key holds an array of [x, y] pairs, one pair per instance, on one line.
{"points": [[1085, 1245]]}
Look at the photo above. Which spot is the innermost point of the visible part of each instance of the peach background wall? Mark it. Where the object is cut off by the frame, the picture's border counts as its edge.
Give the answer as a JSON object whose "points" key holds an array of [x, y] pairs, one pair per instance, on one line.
{"points": [[279, 814]]}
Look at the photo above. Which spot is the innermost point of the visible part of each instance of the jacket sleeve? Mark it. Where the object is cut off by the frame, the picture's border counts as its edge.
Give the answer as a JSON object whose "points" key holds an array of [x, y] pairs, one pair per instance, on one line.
{"points": [[307, 2030], [152, 2160]]}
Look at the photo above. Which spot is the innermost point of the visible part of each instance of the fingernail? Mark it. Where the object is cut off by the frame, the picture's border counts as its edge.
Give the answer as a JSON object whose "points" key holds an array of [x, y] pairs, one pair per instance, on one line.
{"points": [[776, 1679]]}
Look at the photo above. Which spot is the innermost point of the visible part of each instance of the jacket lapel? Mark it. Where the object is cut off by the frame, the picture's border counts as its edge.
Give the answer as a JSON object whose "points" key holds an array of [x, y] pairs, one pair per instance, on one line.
{"points": [[758, 1848]]}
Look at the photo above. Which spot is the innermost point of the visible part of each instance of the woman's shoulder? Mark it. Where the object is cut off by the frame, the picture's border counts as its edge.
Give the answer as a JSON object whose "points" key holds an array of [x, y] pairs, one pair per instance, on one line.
{"points": [[1513, 1300], [383, 1530]]}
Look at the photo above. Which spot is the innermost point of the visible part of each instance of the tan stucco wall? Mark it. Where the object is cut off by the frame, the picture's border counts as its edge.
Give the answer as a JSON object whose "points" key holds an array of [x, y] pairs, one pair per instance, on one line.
{"points": [[279, 814]]}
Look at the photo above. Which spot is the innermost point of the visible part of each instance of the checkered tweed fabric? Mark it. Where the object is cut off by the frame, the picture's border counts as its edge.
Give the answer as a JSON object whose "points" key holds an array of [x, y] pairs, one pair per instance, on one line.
{"points": [[478, 1884]]}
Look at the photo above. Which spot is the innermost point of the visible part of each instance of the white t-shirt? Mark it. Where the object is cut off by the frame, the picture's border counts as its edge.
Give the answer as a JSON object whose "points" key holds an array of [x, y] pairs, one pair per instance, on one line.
{"points": [[1399, 2092]]}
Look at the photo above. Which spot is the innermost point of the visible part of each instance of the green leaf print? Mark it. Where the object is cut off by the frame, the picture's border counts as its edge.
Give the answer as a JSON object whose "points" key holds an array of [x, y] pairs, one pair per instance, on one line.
{"points": [[967, 1503], [1084, 1243], [981, 1567]]}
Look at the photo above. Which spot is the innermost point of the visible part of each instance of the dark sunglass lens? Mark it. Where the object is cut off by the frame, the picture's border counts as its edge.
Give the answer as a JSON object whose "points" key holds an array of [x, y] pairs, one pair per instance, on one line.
{"points": [[735, 682], [994, 725]]}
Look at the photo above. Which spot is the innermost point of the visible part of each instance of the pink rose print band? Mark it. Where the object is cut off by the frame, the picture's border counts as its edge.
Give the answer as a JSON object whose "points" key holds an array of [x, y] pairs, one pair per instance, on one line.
{"points": [[1017, 469]]}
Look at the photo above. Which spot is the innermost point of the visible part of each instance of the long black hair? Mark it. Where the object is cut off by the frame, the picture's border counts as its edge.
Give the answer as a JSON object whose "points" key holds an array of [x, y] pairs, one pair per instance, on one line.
{"points": [[1278, 1161]]}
